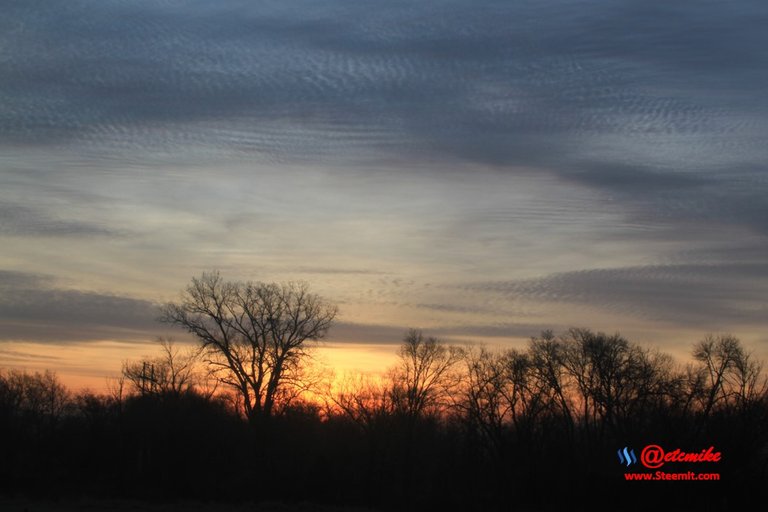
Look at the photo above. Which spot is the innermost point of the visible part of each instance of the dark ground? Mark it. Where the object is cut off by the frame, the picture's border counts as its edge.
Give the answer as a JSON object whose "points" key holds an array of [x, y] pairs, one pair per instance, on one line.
{"points": [[93, 505]]}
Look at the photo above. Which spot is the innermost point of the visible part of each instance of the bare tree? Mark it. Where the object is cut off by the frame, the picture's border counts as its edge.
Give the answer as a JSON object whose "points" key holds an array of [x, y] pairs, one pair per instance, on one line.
{"points": [[254, 334], [526, 393], [547, 356], [488, 398], [719, 356], [40, 398], [729, 374], [419, 381], [748, 381], [617, 380], [173, 373]]}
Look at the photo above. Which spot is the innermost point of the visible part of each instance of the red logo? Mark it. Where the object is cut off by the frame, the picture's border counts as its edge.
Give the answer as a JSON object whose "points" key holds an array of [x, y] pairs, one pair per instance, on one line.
{"points": [[653, 456]]}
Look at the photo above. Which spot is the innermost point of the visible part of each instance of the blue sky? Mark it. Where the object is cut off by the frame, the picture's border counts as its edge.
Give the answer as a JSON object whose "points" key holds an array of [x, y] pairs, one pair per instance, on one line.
{"points": [[483, 170]]}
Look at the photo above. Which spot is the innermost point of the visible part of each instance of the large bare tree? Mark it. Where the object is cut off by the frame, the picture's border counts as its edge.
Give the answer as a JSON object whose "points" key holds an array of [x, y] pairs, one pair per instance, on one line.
{"points": [[254, 334]]}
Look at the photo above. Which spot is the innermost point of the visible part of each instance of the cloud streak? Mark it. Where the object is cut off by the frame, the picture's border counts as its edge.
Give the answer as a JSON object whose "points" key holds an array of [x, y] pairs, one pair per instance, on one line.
{"points": [[709, 296], [32, 308], [25, 221]]}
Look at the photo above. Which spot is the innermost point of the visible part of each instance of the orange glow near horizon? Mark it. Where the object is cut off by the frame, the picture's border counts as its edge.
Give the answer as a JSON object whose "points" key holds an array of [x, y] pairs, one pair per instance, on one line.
{"points": [[90, 365], [79, 366]]}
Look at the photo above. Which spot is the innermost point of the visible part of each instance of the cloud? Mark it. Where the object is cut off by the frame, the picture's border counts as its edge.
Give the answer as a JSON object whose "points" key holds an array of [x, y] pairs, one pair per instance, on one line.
{"points": [[10, 280], [630, 97], [358, 333], [32, 308], [22, 220], [502, 330], [340, 271], [631, 179], [716, 296], [17, 356], [349, 70]]}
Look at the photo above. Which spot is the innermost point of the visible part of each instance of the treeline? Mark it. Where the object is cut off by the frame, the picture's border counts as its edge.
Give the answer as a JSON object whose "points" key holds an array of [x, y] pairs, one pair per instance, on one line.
{"points": [[446, 428]]}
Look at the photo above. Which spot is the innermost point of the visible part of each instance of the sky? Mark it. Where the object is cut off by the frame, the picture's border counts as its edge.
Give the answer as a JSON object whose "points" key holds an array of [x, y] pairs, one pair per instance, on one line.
{"points": [[482, 170]]}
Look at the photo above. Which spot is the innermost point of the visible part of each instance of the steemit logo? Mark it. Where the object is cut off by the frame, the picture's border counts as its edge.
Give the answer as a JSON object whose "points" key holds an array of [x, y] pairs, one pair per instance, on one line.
{"points": [[627, 456]]}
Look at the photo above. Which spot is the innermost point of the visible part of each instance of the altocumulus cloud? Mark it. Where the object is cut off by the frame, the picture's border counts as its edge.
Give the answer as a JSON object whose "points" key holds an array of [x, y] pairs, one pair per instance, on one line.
{"points": [[606, 93]]}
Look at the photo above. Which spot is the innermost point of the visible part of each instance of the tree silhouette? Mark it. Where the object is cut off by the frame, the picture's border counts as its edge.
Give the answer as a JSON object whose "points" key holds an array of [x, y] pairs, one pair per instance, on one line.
{"points": [[38, 400], [420, 379], [254, 334], [726, 373], [547, 355], [173, 373]]}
